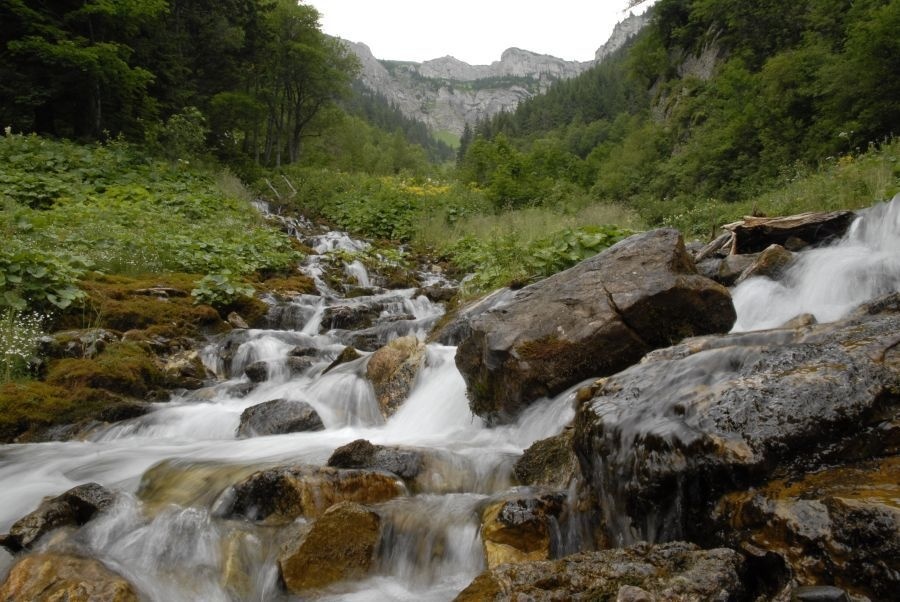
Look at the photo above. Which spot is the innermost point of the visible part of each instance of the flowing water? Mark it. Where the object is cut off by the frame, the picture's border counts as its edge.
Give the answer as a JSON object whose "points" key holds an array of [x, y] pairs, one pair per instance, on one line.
{"points": [[171, 465]]}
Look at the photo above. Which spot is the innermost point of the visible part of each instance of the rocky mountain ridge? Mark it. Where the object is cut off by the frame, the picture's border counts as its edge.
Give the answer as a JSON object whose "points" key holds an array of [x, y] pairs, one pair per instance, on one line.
{"points": [[446, 93]]}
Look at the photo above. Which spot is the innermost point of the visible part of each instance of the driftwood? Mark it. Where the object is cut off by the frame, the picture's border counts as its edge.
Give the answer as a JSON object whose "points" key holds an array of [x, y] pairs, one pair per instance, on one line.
{"points": [[713, 247], [754, 234]]}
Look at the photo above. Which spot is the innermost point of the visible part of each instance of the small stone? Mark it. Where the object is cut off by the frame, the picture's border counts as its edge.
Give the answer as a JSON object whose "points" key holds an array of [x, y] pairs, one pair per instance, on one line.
{"points": [[820, 593], [631, 593], [237, 321], [347, 355], [257, 372], [277, 417]]}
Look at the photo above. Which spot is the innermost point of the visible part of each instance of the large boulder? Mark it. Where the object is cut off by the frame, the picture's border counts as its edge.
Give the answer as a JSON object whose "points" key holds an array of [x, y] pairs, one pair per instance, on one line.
{"points": [[672, 571], [392, 370], [340, 546], [591, 320], [280, 495], [839, 525], [73, 508], [662, 440], [53, 577], [277, 417]]}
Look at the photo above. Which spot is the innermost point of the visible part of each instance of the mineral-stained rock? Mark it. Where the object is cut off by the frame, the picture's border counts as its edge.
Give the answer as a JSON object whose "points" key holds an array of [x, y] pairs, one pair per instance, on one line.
{"points": [[519, 529], [280, 495], [753, 234], [662, 440], [340, 546], [75, 507], [277, 417], [839, 525], [549, 462], [591, 320], [54, 577], [392, 371], [672, 571], [406, 463]]}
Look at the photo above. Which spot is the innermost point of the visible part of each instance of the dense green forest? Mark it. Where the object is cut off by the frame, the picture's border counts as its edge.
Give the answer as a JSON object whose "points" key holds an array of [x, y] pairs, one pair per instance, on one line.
{"points": [[715, 101]]}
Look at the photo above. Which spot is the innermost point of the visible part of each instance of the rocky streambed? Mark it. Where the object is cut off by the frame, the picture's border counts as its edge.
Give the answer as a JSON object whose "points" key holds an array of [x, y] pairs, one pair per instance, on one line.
{"points": [[596, 435]]}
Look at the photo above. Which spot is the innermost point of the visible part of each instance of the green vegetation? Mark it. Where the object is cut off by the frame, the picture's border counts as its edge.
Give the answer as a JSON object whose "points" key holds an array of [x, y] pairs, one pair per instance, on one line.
{"points": [[715, 107], [20, 333]]}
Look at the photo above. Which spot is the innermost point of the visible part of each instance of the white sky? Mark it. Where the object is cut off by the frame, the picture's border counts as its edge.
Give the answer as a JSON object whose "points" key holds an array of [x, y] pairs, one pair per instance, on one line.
{"points": [[474, 31]]}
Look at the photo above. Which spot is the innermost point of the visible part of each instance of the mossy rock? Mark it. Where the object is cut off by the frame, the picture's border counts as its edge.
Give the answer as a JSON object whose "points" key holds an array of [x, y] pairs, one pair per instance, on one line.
{"points": [[29, 408], [124, 367], [138, 302]]}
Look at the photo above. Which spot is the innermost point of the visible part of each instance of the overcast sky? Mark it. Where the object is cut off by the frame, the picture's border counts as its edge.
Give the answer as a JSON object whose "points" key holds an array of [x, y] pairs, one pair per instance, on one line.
{"points": [[475, 31]]}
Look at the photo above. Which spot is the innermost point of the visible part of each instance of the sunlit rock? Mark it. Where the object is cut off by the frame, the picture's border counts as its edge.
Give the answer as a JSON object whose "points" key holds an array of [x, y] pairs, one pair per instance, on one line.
{"points": [[392, 370], [54, 577], [340, 546], [591, 320], [520, 529]]}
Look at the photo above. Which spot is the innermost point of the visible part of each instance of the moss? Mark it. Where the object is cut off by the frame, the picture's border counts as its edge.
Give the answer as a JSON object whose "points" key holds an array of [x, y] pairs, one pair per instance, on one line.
{"points": [[544, 348], [127, 303], [295, 283], [27, 407], [123, 367]]}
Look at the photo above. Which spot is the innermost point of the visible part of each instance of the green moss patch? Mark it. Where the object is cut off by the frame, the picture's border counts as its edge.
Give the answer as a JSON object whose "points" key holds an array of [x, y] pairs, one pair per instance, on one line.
{"points": [[125, 368]]}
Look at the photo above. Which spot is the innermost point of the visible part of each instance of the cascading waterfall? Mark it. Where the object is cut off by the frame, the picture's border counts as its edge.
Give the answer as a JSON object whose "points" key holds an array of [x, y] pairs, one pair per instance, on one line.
{"points": [[164, 534], [830, 281]]}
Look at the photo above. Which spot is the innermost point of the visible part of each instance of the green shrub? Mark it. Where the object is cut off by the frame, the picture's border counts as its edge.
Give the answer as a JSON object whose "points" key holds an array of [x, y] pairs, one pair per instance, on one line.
{"points": [[221, 290]]}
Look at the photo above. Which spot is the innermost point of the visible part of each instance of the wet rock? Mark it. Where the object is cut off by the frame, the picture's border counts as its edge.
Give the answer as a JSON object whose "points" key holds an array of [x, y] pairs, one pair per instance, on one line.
{"points": [[392, 370], [257, 372], [800, 321], [239, 390], [185, 369], [347, 355], [753, 234], [663, 439], [591, 320], [350, 317], [303, 352], [519, 529], [75, 507], [732, 267], [237, 321], [771, 263], [280, 495], [549, 462], [242, 552], [437, 294], [87, 343], [819, 593], [406, 463], [456, 326], [55, 577], [298, 365], [672, 571], [277, 417], [188, 483], [340, 546], [839, 526]]}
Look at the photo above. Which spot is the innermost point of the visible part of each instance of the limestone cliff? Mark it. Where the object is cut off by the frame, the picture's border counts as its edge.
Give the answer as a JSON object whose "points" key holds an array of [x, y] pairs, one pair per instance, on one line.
{"points": [[446, 93]]}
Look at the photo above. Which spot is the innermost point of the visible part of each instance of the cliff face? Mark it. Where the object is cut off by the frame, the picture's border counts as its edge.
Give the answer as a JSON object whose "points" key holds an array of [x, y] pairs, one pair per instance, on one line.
{"points": [[446, 93]]}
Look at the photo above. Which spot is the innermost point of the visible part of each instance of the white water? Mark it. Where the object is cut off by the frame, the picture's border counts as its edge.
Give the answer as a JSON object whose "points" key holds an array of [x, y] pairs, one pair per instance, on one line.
{"points": [[829, 282], [170, 465]]}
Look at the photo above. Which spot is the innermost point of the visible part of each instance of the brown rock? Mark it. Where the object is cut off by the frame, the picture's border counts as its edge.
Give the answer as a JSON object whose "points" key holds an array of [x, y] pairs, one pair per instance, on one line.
{"points": [[280, 495], [591, 320], [838, 526], [392, 371], [772, 263], [518, 530], [672, 571], [549, 462], [57, 578], [236, 321], [347, 355], [340, 546]]}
